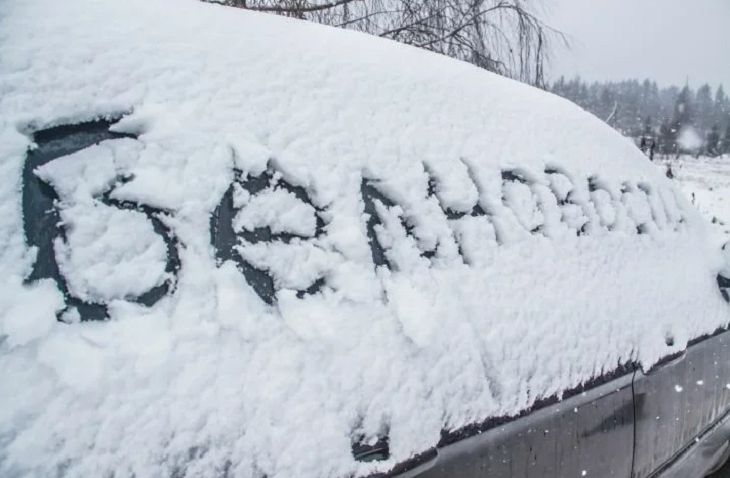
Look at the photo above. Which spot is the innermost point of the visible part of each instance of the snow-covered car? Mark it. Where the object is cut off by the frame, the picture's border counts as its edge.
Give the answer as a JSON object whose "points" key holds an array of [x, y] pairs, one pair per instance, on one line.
{"points": [[235, 244]]}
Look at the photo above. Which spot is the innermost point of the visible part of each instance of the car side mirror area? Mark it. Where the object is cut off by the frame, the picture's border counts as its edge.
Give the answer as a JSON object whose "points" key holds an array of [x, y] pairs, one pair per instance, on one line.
{"points": [[723, 277]]}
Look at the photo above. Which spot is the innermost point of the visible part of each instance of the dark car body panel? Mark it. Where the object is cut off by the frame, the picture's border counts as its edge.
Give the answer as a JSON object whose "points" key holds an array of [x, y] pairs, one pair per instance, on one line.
{"points": [[672, 421], [591, 432], [678, 401]]}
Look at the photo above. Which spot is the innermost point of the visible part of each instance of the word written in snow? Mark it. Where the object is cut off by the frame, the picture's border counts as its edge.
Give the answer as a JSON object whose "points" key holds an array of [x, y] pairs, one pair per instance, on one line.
{"points": [[263, 216]]}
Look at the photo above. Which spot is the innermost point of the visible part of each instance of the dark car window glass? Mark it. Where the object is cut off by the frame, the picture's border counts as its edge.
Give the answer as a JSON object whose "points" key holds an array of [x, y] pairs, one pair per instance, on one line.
{"points": [[41, 220]]}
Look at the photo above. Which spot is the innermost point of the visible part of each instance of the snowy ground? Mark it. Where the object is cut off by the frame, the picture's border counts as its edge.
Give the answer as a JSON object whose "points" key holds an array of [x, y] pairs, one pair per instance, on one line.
{"points": [[706, 181]]}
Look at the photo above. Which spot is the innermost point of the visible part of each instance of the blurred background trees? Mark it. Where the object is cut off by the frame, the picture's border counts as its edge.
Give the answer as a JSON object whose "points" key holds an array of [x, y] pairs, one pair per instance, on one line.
{"points": [[677, 120]]}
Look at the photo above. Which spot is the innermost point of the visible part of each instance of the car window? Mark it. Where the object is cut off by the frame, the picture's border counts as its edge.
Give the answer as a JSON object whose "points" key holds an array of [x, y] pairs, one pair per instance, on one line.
{"points": [[272, 230], [76, 224]]}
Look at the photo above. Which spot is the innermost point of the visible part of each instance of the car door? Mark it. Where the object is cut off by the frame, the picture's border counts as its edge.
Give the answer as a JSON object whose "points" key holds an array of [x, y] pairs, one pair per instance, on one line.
{"points": [[589, 434], [678, 400]]}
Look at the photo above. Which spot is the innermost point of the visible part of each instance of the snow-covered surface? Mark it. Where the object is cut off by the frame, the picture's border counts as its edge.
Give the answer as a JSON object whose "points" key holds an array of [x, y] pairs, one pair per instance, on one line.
{"points": [[277, 209], [706, 182], [492, 300], [108, 253]]}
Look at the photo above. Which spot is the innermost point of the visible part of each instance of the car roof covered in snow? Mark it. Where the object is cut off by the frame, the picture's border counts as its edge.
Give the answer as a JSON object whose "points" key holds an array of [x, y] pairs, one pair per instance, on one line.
{"points": [[304, 238]]}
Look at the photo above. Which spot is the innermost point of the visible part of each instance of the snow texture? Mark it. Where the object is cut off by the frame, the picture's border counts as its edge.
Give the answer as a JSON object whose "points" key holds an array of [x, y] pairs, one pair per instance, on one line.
{"points": [[276, 208], [526, 247], [108, 253], [706, 182]]}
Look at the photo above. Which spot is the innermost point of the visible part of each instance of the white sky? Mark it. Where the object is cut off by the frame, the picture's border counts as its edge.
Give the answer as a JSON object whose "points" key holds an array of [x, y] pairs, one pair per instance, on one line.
{"points": [[667, 40]]}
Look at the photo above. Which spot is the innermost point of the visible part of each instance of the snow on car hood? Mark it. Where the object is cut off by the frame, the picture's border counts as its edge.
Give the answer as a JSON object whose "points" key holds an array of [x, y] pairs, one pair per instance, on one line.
{"points": [[301, 236]]}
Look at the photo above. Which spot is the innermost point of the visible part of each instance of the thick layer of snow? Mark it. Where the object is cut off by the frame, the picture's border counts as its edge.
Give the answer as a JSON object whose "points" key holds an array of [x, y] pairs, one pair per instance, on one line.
{"points": [[296, 265], [107, 253], [500, 291], [277, 209]]}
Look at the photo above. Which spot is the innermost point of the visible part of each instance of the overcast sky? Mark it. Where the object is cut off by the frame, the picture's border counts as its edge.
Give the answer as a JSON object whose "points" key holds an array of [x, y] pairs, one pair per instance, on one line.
{"points": [[667, 40]]}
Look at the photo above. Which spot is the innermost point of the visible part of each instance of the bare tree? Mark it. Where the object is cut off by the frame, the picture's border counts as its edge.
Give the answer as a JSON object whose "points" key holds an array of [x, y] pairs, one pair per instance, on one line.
{"points": [[504, 36]]}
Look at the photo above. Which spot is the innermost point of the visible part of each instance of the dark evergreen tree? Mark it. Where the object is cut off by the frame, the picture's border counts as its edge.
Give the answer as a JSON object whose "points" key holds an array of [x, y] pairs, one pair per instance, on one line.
{"points": [[704, 108], [725, 148], [648, 127], [721, 106], [712, 142], [666, 140], [628, 106], [683, 110]]}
